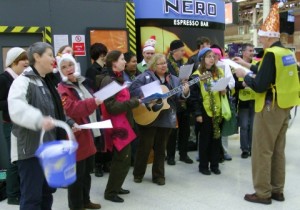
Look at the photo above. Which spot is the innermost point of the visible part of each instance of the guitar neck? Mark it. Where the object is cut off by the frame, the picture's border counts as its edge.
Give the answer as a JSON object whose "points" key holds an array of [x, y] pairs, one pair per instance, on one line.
{"points": [[180, 87]]}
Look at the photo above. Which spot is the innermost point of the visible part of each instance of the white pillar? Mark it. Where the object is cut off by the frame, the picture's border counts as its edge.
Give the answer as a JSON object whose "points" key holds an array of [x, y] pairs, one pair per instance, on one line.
{"points": [[254, 26], [266, 8]]}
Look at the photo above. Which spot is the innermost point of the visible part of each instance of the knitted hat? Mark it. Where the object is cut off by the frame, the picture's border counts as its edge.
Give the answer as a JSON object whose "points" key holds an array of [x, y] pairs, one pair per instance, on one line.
{"points": [[217, 51], [203, 52], [66, 57], [150, 44], [12, 55], [270, 27], [176, 44]]}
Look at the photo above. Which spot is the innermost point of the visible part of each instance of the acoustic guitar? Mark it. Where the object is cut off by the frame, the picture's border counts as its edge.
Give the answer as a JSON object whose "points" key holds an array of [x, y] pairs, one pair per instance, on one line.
{"points": [[149, 110]]}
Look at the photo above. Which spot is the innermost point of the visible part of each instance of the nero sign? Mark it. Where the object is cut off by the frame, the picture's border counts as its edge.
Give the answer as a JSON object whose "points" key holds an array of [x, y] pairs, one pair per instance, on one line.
{"points": [[190, 7]]}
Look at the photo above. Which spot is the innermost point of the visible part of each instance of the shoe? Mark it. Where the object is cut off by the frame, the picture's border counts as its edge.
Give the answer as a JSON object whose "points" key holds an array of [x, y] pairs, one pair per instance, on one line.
{"points": [[91, 205], [13, 201], [137, 180], [114, 198], [123, 191], [171, 161], [205, 171], [227, 157], [255, 199], [186, 159], [216, 171], [245, 154], [278, 196], [98, 171], [159, 181]]}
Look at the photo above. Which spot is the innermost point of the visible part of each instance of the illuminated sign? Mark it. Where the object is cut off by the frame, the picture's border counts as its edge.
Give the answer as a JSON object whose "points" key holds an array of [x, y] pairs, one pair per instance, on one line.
{"points": [[212, 11]]}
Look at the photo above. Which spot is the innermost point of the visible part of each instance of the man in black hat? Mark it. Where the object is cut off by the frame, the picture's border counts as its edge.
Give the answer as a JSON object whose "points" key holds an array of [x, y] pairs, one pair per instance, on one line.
{"points": [[175, 60]]}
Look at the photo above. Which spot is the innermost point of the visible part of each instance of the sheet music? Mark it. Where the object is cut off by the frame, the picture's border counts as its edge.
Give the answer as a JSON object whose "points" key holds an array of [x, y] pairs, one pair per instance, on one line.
{"points": [[151, 88], [185, 71], [220, 84], [109, 90], [235, 65], [102, 124]]}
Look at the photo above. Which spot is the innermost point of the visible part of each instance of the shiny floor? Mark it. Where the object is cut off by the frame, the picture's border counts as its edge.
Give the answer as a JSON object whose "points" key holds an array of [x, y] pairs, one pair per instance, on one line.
{"points": [[187, 189]]}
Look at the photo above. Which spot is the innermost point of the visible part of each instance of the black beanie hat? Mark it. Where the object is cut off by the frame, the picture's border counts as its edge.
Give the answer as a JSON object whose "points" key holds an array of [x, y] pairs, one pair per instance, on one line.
{"points": [[176, 44]]}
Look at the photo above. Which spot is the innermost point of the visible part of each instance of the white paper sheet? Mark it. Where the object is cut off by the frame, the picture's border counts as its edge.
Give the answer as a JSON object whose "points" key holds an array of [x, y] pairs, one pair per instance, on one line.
{"points": [[102, 124], [234, 64], [185, 71], [151, 88], [109, 90], [220, 84]]}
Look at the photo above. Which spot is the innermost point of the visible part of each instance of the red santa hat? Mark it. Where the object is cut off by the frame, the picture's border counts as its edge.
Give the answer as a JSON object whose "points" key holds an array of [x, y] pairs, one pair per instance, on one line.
{"points": [[270, 27], [150, 44]]}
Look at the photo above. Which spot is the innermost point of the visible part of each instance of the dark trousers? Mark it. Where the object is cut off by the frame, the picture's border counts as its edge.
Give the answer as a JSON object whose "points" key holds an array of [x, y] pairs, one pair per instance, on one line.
{"points": [[35, 191], [181, 134], [209, 147], [118, 171], [151, 138], [79, 191], [12, 175]]}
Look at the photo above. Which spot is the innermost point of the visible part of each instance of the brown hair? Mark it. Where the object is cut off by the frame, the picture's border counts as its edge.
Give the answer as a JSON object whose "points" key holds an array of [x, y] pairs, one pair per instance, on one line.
{"points": [[21, 57], [202, 67], [111, 57]]}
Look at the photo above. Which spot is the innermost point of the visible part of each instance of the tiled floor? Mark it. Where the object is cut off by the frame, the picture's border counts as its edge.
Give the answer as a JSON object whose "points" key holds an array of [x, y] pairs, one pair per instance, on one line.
{"points": [[187, 189]]}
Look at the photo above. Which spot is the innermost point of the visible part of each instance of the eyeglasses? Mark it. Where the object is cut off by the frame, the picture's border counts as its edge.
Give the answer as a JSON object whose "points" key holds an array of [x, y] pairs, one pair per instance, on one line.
{"points": [[161, 64], [210, 56]]}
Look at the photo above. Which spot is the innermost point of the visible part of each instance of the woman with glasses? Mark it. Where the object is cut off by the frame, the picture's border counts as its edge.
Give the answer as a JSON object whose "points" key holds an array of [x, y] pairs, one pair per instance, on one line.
{"points": [[155, 135], [206, 105]]}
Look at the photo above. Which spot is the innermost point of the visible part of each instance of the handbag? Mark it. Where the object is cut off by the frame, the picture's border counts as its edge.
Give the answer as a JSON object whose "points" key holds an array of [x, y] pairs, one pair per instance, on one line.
{"points": [[226, 112], [229, 127]]}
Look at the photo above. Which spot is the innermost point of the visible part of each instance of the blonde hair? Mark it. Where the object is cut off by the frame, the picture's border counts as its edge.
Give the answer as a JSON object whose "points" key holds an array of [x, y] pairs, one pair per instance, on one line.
{"points": [[152, 64]]}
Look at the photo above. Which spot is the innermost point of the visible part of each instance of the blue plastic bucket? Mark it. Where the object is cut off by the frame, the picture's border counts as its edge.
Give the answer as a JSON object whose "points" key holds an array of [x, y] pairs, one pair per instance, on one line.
{"points": [[58, 160]]}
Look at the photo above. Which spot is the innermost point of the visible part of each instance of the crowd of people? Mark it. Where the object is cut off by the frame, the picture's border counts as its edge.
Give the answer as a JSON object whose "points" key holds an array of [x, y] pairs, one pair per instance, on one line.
{"points": [[261, 100]]}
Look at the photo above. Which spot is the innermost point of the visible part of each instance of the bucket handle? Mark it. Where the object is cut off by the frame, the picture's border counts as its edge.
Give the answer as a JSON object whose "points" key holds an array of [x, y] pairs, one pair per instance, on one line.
{"points": [[61, 124]]}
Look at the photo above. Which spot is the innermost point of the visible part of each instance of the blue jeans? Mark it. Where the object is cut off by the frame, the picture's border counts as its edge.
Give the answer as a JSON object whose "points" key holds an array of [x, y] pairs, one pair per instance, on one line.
{"points": [[35, 191], [246, 117]]}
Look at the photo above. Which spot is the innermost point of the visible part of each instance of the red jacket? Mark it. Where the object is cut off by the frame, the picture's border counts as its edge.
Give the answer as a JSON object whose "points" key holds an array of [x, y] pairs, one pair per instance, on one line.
{"points": [[79, 110]]}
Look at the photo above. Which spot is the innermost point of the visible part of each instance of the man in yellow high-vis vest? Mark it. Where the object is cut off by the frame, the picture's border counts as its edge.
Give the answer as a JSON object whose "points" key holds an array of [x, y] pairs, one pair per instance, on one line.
{"points": [[277, 90], [245, 105]]}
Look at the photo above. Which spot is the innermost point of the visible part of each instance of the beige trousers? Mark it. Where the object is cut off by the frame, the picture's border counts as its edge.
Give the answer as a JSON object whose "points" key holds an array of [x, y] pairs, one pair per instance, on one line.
{"points": [[268, 145]]}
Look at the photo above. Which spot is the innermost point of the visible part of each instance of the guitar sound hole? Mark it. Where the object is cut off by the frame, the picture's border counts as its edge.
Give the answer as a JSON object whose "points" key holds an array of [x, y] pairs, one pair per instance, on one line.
{"points": [[158, 105]]}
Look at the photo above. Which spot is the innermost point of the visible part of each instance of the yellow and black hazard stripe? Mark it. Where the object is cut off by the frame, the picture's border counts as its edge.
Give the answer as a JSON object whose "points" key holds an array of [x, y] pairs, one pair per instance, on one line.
{"points": [[45, 30], [130, 24]]}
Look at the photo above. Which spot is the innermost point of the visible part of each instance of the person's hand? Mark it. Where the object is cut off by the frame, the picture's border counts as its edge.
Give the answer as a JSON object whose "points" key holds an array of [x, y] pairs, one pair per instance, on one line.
{"points": [[223, 92], [75, 128], [240, 72], [48, 123], [244, 84], [186, 88], [98, 101], [239, 60], [199, 119]]}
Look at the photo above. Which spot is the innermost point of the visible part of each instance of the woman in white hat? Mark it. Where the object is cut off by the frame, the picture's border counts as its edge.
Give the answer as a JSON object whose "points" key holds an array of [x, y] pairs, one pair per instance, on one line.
{"points": [[16, 62]]}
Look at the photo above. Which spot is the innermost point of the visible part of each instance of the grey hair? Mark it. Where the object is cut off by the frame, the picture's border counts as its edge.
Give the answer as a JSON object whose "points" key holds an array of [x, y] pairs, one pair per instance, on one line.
{"points": [[152, 64], [39, 48]]}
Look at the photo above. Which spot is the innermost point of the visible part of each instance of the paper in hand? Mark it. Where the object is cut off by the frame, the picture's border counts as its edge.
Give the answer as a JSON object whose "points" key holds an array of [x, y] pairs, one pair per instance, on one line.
{"points": [[185, 71], [235, 64], [102, 124], [221, 84], [109, 90], [151, 88]]}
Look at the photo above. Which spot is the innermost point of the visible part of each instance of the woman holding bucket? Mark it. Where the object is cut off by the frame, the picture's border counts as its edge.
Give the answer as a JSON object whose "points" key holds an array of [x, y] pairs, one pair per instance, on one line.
{"points": [[118, 109], [33, 102], [80, 105]]}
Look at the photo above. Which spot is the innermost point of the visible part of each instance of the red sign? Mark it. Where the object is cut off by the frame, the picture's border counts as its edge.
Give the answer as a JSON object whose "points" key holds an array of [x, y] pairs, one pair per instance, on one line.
{"points": [[79, 48]]}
